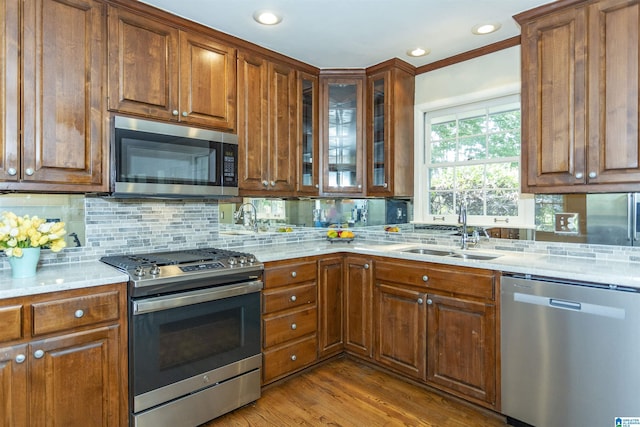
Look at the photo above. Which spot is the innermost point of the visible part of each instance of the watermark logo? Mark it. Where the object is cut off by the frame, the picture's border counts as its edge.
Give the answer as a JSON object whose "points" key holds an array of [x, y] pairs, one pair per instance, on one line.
{"points": [[627, 422]]}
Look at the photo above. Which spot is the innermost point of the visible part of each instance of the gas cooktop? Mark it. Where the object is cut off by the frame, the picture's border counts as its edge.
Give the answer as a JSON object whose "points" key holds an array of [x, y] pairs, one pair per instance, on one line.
{"points": [[156, 268]]}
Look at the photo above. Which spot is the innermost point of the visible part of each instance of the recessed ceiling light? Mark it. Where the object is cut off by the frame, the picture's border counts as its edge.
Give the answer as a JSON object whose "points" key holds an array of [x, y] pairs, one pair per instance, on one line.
{"points": [[266, 17], [418, 51], [481, 29]]}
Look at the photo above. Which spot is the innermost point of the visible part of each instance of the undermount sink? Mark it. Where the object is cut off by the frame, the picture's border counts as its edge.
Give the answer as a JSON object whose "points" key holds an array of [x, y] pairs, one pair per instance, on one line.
{"points": [[425, 251], [474, 256], [452, 254]]}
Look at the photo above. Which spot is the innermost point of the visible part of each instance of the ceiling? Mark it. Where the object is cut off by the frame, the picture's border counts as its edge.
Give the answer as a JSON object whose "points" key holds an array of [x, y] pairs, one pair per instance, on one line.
{"points": [[358, 33]]}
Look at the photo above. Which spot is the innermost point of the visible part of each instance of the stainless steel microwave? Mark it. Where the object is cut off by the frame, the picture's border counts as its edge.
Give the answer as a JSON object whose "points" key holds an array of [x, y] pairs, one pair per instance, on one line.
{"points": [[153, 159]]}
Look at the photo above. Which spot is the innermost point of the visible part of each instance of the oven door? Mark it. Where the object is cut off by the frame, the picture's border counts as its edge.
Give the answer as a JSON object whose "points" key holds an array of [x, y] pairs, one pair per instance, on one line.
{"points": [[179, 342]]}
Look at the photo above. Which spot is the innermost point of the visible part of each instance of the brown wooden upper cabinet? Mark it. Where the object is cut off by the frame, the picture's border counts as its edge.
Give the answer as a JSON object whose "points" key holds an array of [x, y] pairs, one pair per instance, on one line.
{"points": [[267, 134], [342, 132], [308, 143], [159, 71], [52, 71], [390, 100], [580, 97]]}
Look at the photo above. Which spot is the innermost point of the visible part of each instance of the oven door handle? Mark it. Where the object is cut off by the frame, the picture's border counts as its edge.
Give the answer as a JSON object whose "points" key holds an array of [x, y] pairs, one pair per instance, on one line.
{"points": [[165, 302]]}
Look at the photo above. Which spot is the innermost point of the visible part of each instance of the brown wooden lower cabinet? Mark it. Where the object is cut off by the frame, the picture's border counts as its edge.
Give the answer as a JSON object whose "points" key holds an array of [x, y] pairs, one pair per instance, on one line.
{"points": [[330, 306], [73, 365], [462, 347], [400, 329], [358, 294], [289, 317], [433, 323]]}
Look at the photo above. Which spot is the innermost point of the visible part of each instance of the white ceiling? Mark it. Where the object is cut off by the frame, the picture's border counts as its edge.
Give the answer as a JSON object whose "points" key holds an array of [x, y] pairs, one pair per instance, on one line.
{"points": [[358, 33]]}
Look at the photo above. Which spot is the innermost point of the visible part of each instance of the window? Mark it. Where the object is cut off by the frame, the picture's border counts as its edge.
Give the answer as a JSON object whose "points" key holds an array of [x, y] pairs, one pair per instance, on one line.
{"points": [[472, 156]]}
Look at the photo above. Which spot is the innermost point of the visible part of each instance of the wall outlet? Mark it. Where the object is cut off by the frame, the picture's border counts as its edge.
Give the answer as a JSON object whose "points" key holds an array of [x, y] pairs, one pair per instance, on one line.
{"points": [[567, 223]]}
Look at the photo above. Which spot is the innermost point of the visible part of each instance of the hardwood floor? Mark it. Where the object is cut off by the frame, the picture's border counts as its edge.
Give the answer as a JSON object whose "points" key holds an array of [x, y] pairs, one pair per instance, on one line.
{"points": [[346, 393]]}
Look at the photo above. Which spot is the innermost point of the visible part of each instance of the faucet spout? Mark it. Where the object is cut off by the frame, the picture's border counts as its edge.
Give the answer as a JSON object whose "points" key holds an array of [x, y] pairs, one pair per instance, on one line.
{"points": [[241, 213], [462, 220]]}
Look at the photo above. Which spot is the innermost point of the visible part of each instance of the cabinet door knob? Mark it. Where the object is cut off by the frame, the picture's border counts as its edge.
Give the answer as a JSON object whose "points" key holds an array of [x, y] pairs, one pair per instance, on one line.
{"points": [[429, 301], [317, 185], [294, 274], [294, 326], [79, 313], [184, 114], [20, 358], [29, 171], [265, 183], [385, 185], [273, 183], [425, 278], [579, 175], [293, 357], [12, 171], [420, 300], [592, 174], [293, 298], [175, 112], [366, 266], [359, 186], [38, 354]]}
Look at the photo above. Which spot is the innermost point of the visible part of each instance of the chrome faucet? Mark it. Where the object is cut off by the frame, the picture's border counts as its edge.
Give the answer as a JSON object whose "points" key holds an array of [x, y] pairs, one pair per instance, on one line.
{"points": [[462, 220], [241, 213]]}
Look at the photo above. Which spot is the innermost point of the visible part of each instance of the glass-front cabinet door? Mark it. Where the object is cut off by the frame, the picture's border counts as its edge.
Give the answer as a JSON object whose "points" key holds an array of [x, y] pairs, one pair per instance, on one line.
{"points": [[379, 149], [308, 148], [342, 138]]}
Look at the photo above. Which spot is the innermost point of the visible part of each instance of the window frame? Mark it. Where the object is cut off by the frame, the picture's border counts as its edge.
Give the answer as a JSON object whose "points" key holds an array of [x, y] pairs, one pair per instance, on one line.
{"points": [[470, 102]]}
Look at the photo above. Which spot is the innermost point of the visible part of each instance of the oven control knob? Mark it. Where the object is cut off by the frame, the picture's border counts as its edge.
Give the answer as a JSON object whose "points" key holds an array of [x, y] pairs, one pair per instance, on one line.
{"points": [[232, 261], [139, 271], [154, 270], [251, 259], [242, 259]]}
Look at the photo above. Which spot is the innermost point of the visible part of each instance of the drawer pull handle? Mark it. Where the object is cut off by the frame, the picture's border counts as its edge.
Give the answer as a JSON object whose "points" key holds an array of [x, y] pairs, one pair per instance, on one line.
{"points": [[293, 298], [420, 301], [38, 354], [429, 301], [293, 357], [294, 326], [366, 266], [425, 278], [294, 274], [20, 358], [78, 314]]}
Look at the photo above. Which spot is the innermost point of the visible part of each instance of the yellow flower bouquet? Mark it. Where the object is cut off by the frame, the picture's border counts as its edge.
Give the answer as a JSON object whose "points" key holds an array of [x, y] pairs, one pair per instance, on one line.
{"points": [[17, 233]]}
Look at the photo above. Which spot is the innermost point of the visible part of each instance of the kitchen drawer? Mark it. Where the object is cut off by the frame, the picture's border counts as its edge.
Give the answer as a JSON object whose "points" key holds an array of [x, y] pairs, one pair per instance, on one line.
{"points": [[289, 297], [70, 313], [459, 280], [10, 323], [289, 358], [289, 273], [289, 325]]}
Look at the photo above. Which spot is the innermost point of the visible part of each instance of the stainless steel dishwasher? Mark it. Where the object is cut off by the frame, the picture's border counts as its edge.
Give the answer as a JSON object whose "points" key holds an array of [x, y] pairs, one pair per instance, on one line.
{"points": [[570, 352]]}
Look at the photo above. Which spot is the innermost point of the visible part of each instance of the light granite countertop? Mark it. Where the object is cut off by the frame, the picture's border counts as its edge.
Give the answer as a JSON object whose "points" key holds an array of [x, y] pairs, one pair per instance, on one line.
{"points": [[607, 272], [60, 277], [52, 278]]}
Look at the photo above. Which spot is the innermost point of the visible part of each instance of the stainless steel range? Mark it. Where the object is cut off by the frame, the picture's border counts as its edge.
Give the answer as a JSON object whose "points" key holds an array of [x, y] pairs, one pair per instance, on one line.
{"points": [[194, 334]]}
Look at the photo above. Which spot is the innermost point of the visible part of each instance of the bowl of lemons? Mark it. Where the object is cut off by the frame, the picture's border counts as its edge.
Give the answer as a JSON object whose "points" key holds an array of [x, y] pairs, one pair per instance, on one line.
{"points": [[336, 235]]}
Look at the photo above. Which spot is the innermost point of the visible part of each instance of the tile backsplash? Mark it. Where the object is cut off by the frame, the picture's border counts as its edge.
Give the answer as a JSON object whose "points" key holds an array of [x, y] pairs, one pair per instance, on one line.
{"points": [[125, 226]]}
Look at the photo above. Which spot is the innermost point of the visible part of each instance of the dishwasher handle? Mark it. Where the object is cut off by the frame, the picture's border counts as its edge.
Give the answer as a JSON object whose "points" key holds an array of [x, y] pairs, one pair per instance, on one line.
{"points": [[570, 305]]}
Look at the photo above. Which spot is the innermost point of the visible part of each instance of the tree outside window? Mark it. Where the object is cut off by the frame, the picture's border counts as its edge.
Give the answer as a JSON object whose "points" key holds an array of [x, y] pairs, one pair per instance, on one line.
{"points": [[473, 157]]}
